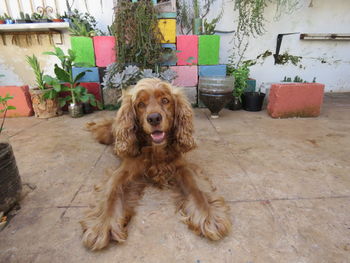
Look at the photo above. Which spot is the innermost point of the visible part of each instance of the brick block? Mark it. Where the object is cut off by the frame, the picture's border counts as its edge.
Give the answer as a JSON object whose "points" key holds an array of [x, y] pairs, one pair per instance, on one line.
{"points": [[187, 46], [84, 50], [208, 49], [105, 52], [167, 28], [212, 70], [21, 101], [92, 76], [191, 93], [169, 55], [295, 100], [187, 76]]}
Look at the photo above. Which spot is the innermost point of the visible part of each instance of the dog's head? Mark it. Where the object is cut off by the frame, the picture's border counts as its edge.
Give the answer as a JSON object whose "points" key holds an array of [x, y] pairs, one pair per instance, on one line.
{"points": [[153, 112]]}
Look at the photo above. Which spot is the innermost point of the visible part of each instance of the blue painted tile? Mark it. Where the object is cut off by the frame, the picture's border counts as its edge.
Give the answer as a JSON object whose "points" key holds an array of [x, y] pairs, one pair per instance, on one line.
{"points": [[212, 70], [169, 60], [92, 76]]}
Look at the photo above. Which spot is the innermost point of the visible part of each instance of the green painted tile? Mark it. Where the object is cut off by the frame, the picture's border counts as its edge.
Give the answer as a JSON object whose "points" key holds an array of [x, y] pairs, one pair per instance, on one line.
{"points": [[84, 50], [208, 50]]}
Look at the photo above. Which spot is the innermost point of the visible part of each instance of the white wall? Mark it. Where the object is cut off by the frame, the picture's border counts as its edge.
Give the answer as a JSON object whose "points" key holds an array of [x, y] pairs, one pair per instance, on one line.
{"points": [[324, 17]]}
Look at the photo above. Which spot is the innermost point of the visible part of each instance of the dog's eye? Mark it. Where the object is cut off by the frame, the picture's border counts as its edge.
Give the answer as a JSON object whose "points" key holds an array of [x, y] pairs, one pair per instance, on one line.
{"points": [[165, 101], [141, 105]]}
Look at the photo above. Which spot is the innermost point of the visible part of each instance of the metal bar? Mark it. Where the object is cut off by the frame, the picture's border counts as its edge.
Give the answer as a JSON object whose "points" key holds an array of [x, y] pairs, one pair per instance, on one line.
{"points": [[318, 36]]}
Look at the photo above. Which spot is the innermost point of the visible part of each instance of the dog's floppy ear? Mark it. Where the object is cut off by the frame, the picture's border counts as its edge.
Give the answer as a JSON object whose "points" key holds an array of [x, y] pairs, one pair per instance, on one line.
{"points": [[183, 124], [126, 144]]}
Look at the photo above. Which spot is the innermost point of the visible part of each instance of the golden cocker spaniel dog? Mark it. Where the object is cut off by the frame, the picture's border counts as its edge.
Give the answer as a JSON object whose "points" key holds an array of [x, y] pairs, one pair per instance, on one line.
{"points": [[152, 131]]}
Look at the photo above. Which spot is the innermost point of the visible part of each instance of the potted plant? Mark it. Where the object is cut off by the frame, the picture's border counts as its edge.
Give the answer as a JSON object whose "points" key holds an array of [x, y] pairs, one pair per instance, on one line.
{"points": [[76, 93], [241, 75], [58, 18], [2, 19], [10, 181], [44, 95], [24, 18], [8, 19], [40, 18]]}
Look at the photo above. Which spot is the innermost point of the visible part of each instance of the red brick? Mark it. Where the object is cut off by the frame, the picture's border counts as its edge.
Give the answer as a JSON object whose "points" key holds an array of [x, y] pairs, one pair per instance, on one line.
{"points": [[21, 100], [295, 100]]}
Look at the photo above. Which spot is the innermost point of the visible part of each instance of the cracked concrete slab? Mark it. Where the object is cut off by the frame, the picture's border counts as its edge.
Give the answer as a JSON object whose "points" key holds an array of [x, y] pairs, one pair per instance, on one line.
{"points": [[286, 182]]}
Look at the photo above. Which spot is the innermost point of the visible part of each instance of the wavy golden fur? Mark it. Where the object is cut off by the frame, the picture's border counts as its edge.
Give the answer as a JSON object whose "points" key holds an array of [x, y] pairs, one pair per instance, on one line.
{"points": [[152, 131]]}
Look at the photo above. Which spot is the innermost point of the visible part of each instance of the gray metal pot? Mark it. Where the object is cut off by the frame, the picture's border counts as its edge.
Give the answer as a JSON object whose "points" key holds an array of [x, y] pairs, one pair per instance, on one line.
{"points": [[75, 110]]}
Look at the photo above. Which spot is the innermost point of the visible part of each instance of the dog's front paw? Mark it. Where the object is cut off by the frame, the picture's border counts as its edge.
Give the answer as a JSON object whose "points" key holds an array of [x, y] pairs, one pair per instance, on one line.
{"points": [[213, 222], [97, 233]]}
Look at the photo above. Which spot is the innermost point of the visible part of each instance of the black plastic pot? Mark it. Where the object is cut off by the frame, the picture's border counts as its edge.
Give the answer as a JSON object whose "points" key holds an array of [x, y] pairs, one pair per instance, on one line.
{"points": [[87, 108], [234, 104], [43, 21], [253, 101], [22, 21], [10, 181]]}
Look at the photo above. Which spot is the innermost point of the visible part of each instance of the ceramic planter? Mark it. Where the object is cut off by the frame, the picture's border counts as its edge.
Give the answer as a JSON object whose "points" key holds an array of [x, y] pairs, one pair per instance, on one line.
{"points": [[84, 50], [57, 20], [215, 93], [2, 22], [253, 101], [234, 104], [23, 21], [44, 108], [105, 52], [10, 181]]}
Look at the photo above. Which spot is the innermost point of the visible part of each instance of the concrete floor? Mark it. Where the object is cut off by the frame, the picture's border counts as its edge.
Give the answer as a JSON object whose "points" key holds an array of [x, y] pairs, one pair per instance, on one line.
{"points": [[287, 182]]}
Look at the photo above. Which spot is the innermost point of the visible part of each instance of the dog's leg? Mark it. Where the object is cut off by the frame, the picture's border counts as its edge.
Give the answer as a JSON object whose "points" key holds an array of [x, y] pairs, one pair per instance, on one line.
{"points": [[102, 131], [108, 219], [203, 214]]}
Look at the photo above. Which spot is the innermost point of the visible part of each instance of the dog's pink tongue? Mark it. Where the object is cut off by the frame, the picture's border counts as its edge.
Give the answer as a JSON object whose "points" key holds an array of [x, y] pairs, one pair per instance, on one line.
{"points": [[158, 136]]}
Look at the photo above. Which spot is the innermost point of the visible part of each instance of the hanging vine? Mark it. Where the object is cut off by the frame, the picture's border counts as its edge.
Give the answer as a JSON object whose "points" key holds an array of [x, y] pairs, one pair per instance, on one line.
{"points": [[251, 22], [137, 33]]}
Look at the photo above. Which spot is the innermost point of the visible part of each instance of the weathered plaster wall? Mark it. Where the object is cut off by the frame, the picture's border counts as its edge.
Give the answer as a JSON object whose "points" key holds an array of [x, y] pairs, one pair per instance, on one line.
{"points": [[324, 17], [13, 65]]}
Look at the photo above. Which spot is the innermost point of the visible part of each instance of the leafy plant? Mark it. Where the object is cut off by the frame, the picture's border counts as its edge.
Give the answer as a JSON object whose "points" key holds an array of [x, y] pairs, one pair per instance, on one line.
{"points": [[80, 29], [64, 73], [130, 75], [7, 17], [81, 20], [4, 107], [39, 74], [241, 75], [187, 12], [37, 16], [137, 34]]}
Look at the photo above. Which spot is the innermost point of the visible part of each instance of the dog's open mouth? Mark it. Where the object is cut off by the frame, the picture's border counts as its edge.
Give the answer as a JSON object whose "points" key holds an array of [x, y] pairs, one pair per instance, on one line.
{"points": [[158, 136]]}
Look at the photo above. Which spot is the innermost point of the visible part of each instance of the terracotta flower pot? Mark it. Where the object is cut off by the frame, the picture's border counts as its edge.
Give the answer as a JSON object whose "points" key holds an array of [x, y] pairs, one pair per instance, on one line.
{"points": [[44, 108], [57, 20]]}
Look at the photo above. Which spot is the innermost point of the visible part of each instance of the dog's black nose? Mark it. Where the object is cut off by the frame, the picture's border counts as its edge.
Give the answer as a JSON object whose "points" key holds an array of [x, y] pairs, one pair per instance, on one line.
{"points": [[154, 119]]}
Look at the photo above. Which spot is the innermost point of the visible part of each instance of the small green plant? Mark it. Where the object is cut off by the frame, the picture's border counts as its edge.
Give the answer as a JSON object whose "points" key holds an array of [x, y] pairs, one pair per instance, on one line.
{"points": [[297, 79], [39, 74], [2, 17], [80, 29], [4, 107], [241, 75], [64, 73], [7, 17], [36, 16]]}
